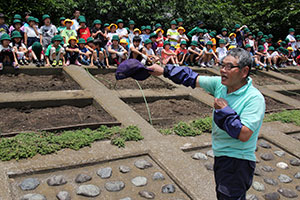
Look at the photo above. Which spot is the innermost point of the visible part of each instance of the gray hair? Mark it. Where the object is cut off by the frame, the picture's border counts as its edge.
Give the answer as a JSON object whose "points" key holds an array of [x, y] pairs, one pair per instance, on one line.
{"points": [[244, 57]]}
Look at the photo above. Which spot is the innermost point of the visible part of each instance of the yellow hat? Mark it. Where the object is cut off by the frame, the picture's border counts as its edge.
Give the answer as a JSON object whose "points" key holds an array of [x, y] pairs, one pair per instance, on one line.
{"points": [[136, 29], [181, 28], [72, 38], [162, 31], [232, 34], [109, 27], [290, 49], [68, 20], [231, 47], [123, 41]]}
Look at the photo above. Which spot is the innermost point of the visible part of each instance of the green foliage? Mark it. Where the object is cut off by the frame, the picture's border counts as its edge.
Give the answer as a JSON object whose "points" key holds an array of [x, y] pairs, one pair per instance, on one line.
{"points": [[194, 128], [288, 116], [27, 145]]}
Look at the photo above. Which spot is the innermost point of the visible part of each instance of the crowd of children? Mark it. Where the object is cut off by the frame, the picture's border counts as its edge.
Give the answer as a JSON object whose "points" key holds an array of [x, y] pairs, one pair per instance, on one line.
{"points": [[102, 45]]}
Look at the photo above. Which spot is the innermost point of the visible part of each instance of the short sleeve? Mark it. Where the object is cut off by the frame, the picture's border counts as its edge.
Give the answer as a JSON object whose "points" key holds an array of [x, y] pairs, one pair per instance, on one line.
{"points": [[48, 51], [209, 83]]}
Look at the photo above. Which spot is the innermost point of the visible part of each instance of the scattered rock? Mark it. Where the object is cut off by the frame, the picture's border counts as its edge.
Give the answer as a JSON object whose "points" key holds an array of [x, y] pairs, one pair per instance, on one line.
{"points": [[265, 145], [29, 184], [267, 168], [272, 196], [56, 180], [251, 197], [158, 176], [282, 165], [210, 153], [297, 175], [126, 198], [298, 188], [267, 156], [257, 161], [279, 153], [105, 173], [287, 193], [124, 169], [88, 190], [147, 194], [209, 166], [33, 197], [199, 156], [139, 181], [169, 188], [81, 178], [257, 172], [114, 186], [142, 164], [270, 181], [284, 178], [258, 186], [63, 195], [295, 162]]}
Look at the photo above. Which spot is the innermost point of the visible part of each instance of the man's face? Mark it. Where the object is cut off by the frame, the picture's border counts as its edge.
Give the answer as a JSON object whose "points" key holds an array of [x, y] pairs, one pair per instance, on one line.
{"points": [[76, 13], [232, 77]]}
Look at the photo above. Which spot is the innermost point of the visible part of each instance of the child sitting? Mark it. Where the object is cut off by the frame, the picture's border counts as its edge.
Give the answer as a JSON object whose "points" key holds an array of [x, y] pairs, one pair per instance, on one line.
{"points": [[101, 55], [160, 40], [84, 54], [272, 57], [182, 53], [37, 54], [208, 55], [55, 52], [17, 24], [221, 51], [7, 56], [167, 55], [148, 51], [72, 52], [116, 52], [47, 32], [195, 54], [136, 49], [124, 44], [232, 39], [260, 58], [19, 48]]}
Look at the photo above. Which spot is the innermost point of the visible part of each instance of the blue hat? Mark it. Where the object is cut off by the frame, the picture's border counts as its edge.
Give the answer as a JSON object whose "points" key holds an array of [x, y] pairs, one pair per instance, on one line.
{"points": [[132, 68]]}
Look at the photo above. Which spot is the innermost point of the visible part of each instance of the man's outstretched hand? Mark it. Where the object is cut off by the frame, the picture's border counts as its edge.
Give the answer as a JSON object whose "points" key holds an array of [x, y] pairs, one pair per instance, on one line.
{"points": [[157, 70], [220, 103]]}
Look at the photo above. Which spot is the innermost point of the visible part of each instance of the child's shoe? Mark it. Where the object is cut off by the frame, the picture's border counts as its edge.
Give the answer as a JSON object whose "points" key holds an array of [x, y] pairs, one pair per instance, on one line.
{"points": [[25, 62], [68, 63], [77, 63], [42, 62], [60, 63], [1, 66], [21, 62], [54, 63]]}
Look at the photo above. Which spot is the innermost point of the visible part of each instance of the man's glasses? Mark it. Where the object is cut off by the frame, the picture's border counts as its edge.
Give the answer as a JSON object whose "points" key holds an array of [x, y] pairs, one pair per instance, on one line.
{"points": [[228, 66]]}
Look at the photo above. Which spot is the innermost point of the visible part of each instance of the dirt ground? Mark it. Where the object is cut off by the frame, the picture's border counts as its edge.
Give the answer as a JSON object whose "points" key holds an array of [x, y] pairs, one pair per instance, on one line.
{"points": [[171, 111], [292, 94], [31, 119], [110, 82], [27, 83], [261, 79], [273, 105]]}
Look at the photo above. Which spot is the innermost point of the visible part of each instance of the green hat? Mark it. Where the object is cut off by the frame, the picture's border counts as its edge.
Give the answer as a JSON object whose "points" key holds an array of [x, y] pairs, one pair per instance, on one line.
{"points": [[194, 43], [97, 21], [254, 36], [81, 20], [237, 26], [115, 37], [5, 36], [57, 38], [45, 17], [247, 30], [120, 21], [233, 30], [17, 21], [271, 48], [36, 20], [285, 52], [131, 22], [183, 42], [263, 40], [266, 37], [152, 35], [205, 30], [106, 25], [298, 37], [81, 41], [166, 43], [37, 47], [179, 20], [291, 30], [221, 41], [148, 41], [247, 46], [287, 40], [270, 36], [224, 29], [212, 34], [260, 33], [209, 43], [250, 33], [16, 34], [30, 19], [148, 27], [157, 25], [261, 48], [17, 16], [62, 19], [283, 43], [89, 39], [143, 28], [173, 22]]}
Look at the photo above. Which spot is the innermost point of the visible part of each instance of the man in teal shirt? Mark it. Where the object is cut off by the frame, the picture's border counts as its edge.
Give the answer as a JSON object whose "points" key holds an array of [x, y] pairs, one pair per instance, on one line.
{"points": [[238, 115]]}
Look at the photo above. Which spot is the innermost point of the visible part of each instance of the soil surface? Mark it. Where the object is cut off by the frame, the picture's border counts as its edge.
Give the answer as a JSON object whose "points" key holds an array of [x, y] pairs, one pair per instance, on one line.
{"points": [[295, 75], [32, 119], [27, 83], [262, 79], [110, 82], [292, 94], [171, 111], [273, 105]]}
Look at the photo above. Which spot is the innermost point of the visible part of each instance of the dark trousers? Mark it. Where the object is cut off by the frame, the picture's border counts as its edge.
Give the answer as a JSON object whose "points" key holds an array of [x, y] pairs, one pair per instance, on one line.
{"points": [[7, 53], [233, 177], [31, 40], [72, 56]]}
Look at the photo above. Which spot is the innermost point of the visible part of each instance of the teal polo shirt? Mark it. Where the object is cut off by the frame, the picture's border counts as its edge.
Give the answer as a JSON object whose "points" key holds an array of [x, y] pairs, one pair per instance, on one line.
{"points": [[249, 104]]}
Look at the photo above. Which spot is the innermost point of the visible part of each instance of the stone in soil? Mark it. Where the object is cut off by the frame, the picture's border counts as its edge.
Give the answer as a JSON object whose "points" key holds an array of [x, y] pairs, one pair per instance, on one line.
{"points": [[199, 156], [169, 188], [279, 153], [258, 186], [142, 164], [257, 172], [209, 166], [33, 197], [158, 176], [298, 188], [139, 181], [56, 180], [81, 178], [297, 175], [88, 190], [284, 178], [63, 195], [126, 198], [29, 184], [251, 197], [124, 169], [210, 153], [147, 194], [267, 156], [265, 145], [272, 196], [267, 168], [270, 181], [295, 162], [114, 186], [287, 193], [105, 173], [282, 165]]}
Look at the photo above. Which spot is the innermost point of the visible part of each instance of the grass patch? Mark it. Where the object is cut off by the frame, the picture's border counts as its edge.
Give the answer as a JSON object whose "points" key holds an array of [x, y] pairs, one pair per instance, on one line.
{"points": [[194, 128], [288, 116], [27, 145]]}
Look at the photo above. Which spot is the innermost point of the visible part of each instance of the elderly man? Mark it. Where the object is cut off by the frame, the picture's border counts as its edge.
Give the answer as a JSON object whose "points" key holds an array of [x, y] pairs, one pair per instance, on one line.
{"points": [[237, 118]]}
